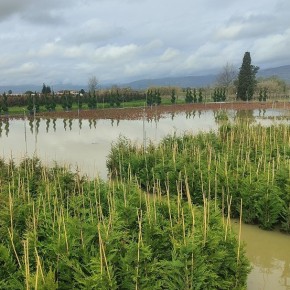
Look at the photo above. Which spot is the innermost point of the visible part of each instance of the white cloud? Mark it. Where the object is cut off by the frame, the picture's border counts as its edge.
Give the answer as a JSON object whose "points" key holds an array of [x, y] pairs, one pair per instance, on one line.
{"points": [[112, 52], [60, 40], [169, 54]]}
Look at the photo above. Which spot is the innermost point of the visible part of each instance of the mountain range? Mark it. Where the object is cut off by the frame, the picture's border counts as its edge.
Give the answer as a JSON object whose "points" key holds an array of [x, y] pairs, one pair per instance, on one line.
{"points": [[282, 72]]}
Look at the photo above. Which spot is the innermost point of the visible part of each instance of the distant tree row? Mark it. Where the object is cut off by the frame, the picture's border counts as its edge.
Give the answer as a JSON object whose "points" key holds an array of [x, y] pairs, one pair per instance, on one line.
{"points": [[153, 97], [219, 95], [193, 95], [4, 104], [49, 100]]}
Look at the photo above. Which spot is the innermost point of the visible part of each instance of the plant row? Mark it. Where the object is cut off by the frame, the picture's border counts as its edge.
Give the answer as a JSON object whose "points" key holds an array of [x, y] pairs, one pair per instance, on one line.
{"points": [[238, 162], [59, 230]]}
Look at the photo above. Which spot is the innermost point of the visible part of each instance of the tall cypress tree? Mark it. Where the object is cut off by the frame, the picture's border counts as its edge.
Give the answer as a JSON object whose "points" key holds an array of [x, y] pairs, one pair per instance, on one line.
{"points": [[246, 79]]}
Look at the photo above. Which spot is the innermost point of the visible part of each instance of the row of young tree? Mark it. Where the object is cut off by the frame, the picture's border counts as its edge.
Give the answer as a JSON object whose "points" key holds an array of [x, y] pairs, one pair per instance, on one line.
{"points": [[193, 96], [49, 100]]}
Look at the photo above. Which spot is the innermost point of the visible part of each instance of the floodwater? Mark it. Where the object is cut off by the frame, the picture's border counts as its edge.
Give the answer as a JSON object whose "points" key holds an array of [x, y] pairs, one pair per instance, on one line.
{"points": [[85, 144], [269, 253]]}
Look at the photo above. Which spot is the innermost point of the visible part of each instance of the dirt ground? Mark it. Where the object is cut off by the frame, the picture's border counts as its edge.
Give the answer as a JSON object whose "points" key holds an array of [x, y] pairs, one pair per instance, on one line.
{"points": [[158, 111]]}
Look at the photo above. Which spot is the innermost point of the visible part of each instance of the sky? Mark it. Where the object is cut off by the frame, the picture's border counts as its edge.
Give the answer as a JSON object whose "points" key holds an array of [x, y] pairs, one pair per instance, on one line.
{"points": [[118, 41]]}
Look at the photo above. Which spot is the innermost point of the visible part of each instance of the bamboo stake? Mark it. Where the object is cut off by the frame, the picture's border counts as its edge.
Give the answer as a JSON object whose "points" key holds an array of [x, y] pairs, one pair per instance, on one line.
{"points": [[240, 231], [168, 203], [26, 263], [13, 247], [139, 215], [229, 202]]}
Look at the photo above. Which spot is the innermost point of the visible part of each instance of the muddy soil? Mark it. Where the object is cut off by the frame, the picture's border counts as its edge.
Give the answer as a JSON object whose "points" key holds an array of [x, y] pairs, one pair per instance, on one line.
{"points": [[157, 111]]}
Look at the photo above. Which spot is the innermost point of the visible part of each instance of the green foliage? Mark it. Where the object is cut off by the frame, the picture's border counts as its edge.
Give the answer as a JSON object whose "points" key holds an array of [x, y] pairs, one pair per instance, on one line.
{"points": [[46, 90], [153, 97], [219, 95], [194, 96], [4, 104], [200, 96], [30, 103], [188, 96], [246, 82], [240, 161], [59, 230], [173, 97]]}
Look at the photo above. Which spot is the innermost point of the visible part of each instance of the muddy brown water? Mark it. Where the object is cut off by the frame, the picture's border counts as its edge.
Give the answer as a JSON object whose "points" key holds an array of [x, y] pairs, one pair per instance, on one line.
{"points": [[269, 253], [85, 144]]}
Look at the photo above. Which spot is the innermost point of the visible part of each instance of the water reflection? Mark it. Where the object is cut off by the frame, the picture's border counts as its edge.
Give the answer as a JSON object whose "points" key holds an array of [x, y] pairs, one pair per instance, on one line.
{"points": [[4, 126], [219, 117], [67, 133], [245, 115], [47, 124]]}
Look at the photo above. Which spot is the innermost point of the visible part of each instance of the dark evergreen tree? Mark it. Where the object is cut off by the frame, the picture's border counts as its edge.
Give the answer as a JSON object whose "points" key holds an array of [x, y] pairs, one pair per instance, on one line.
{"points": [[53, 102], [80, 101], [5, 103], [30, 103], [69, 101], [149, 98], [118, 98], [200, 97], [157, 97], [64, 102], [194, 96], [215, 95], [47, 103], [223, 94], [265, 94], [92, 100], [246, 82], [173, 97], [46, 90], [188, 96]]}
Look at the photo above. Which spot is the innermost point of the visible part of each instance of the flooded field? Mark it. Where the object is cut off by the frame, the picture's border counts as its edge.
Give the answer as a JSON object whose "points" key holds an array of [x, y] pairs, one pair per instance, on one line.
{"points": [[84, 144]]}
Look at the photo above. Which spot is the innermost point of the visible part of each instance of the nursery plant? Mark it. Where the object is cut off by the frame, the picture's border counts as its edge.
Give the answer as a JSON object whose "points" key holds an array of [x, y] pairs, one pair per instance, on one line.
{"points": [[239, 161], [60, 230]]}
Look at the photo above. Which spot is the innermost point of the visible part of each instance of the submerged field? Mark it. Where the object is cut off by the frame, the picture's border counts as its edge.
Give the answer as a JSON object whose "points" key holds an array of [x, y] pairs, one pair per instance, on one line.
{"points": [[59, 228]]}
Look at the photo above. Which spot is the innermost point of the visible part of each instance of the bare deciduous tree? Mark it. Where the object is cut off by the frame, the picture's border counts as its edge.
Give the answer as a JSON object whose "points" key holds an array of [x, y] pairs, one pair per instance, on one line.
{"points": [[227, 76], [92, 84]]}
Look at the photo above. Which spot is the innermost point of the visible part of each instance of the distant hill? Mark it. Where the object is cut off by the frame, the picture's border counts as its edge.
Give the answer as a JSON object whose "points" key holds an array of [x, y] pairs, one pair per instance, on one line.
{"points": [[37, 88], [282, 72], [188, 81]]}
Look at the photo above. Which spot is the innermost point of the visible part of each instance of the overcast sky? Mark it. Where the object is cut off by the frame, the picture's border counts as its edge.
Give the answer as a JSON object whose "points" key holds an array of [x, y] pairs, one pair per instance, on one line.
{"points": [[68, 41]]}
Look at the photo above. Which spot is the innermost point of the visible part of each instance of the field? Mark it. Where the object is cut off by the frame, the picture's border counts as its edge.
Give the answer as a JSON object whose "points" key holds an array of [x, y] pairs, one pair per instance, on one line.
{"points": [[132, 113], [161, 221]]}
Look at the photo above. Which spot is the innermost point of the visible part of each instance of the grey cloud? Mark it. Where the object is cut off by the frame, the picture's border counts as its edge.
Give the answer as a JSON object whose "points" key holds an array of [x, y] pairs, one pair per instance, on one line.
{"points": [[40, 11], [93, 31], [250, 26], [58, 40], [10, 7]]}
